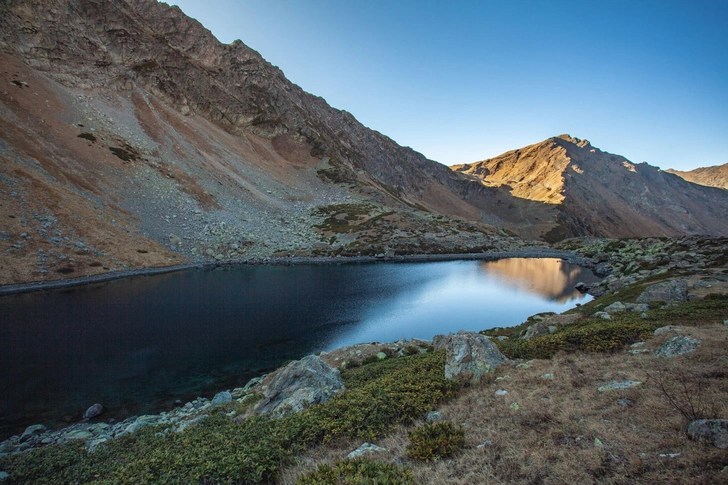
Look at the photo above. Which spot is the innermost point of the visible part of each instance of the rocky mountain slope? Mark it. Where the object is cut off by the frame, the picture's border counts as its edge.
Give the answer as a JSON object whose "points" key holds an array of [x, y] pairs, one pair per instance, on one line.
{"points": [[716, 176], [131, 137], [591, 192]]}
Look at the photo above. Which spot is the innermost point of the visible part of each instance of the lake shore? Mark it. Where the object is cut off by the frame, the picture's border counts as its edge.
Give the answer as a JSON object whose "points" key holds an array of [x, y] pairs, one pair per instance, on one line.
{"points": [[534, 252]]}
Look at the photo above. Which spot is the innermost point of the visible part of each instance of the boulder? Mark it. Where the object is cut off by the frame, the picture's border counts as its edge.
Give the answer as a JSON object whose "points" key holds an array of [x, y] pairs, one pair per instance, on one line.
{"points": [[668, 291], [93, 411], [469, 355], [365, 449], [602, 315], [711, 431], [298, 385], [616, 307], [221, 398], [677, 346], [618, 386], [637, 307], [31, 431], [581, 287]]}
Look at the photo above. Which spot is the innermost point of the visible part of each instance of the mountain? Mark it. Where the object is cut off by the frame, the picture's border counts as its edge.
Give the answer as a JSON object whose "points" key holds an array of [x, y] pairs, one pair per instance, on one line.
{"points": [[716, 176], [131, 137], [591, 192]]}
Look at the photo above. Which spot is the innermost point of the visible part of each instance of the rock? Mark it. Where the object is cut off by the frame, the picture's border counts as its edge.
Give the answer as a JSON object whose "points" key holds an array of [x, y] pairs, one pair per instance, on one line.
{"points": [[31, 431], [3, 476], [618, 385], [93, 411], [535, 330], [434, 416], [514, 406], [79, 434], [174, 240], [365, 449], [469, 355], [221, 398], [581, 287], [547, 376], [603, 315], [637, 307], [298, 385], [616, 307], [711, 431], [668, 291], [625, 403], [643, 315], [501, 392], [677, 346], [665, 329], [381, 355], [141, 422]]}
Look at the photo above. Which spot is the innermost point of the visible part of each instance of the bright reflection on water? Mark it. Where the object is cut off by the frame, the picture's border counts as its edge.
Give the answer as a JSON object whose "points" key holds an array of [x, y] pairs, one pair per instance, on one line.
{"points": [[471, 296], [138, 344]]}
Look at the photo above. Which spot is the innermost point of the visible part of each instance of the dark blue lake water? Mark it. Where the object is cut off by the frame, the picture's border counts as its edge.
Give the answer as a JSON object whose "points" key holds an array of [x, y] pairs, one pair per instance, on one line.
{"points": [[138, 344]]}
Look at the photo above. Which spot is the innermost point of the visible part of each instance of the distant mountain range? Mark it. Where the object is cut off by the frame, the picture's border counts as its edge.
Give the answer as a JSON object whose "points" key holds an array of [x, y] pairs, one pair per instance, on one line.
{"points": [[716, 176], [131, 137]]}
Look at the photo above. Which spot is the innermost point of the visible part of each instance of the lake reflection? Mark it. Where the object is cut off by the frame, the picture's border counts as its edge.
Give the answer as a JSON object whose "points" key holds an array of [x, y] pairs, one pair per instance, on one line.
{"points": [[138, 344]]}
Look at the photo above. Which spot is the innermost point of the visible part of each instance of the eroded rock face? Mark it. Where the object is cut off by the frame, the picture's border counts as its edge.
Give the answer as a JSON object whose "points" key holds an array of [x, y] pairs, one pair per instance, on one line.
{"points": [[667, 291], [469, 355], [298, 385]]}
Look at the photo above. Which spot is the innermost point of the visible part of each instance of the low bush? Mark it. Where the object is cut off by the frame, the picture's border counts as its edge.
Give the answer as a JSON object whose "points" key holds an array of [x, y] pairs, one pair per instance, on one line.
{"points": [[435, 440]]}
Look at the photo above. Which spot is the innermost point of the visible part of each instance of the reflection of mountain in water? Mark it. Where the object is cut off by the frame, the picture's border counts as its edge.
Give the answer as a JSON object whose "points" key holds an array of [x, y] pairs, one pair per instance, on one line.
{"points": [[550, 278]]}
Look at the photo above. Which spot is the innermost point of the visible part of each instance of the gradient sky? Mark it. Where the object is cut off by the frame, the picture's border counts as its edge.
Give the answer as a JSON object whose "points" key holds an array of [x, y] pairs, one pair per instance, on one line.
{"points": [[464, 81]]}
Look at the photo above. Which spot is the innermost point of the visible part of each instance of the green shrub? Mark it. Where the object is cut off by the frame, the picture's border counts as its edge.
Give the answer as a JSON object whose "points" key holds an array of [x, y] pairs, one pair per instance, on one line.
{"points": [[435, 440], [358, 472]]}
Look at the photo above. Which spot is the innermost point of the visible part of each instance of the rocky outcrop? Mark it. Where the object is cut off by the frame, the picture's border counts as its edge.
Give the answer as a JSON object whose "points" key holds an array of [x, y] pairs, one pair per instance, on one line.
{"points": [[667, 291], [298, 385], [469, 355]]}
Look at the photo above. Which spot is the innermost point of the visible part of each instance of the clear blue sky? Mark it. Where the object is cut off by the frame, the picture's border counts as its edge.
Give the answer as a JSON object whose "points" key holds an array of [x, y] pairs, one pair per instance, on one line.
{"points": [[464, 81]]}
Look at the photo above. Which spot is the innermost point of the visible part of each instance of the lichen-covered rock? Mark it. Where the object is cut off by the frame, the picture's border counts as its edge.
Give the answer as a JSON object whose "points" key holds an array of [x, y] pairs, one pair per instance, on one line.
{"points": [[365, 449], [618, 386], [710, 431], [677, 346], [221, 398], [616, 307], [469, 355], [298, 385], [668, 291], [31, 431]]}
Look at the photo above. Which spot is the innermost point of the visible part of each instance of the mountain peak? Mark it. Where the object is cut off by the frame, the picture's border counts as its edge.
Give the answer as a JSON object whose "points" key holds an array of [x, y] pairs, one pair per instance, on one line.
{"points": [[571, 139]]}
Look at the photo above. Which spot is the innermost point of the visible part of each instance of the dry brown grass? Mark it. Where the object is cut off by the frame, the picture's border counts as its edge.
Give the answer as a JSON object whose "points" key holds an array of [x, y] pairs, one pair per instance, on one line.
{"points": [[565, 431]]}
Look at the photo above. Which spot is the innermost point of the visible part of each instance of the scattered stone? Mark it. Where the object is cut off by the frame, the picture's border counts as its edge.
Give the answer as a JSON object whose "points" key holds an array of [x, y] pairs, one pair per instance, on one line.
{"points": [[381, 355], [725, 322], [501, 392], [598, 443], [667, 291], [637, 307], [625, 403], [665, 329], [3, 476], [174, 240], [485, 443], [502, 378], [669, 455], [514, 406], [79, 434], [711, 431], [581, 287], [616, 307], [523, 365], [31, 431], [298, 385], [93, 411], [221, 398], [434, 416], [618, 385], [643, 315], [469, 355], [365, 449], [548, 376], [677, 346], [603, 315]]}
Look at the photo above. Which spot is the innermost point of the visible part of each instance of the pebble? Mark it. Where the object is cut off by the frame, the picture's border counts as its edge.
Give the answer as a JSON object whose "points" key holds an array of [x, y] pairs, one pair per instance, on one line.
{"points": [[501, 392]]}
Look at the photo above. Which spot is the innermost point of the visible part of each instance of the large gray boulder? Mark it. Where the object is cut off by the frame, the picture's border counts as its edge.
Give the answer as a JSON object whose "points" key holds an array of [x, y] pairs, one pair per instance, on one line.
{"points": [[710, 431], [469, 355], [298, 385], [668, 291], [677, 346]]}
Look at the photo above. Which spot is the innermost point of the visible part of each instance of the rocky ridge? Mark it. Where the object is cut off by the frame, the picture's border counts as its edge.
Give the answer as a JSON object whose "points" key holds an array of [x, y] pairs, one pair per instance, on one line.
{"points": [[715, 176]]}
